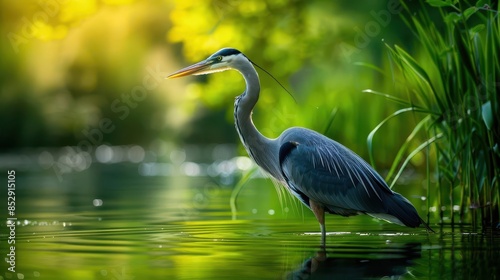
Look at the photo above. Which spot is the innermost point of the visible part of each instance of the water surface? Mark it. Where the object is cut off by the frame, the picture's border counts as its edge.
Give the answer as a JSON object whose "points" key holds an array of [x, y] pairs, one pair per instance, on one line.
{"points": [[111, 222]]}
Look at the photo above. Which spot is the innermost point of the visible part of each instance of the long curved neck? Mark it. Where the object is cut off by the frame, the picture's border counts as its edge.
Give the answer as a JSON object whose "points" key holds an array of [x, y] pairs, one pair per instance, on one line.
{"points": [[259, 147]]}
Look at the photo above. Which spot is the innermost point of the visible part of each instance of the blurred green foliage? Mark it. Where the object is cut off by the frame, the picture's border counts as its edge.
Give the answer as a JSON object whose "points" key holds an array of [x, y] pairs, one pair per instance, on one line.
{"points": [[70, 70], [74, 71]]}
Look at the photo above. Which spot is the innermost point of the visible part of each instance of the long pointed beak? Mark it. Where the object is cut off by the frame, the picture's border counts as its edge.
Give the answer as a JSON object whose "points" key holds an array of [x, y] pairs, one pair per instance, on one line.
{"points": [[191, 70]]}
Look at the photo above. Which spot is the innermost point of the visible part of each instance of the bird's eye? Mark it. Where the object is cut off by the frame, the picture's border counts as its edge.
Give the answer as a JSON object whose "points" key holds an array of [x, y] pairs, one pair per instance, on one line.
{"points": [[219, 58]]}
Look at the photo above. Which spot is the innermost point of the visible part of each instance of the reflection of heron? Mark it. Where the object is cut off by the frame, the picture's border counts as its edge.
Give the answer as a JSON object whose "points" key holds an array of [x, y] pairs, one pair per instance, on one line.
{"points": [[390, 262], [323, 174]]}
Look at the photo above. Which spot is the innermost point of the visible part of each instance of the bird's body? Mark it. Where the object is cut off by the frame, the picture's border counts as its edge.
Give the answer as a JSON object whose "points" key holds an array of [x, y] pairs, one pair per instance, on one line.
{"points": [[322, 173], [343, 183]]}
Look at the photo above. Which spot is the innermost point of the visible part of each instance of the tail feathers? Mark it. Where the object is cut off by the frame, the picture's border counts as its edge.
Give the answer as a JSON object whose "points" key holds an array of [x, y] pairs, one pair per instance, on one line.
{"points": [[427, 227], [405, 212]]}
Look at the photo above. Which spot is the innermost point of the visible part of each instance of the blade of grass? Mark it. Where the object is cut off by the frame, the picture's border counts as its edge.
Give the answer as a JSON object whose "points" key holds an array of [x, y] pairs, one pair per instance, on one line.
{"points": [[406, 144], [237, 189], [411, 155], [372, 133]]}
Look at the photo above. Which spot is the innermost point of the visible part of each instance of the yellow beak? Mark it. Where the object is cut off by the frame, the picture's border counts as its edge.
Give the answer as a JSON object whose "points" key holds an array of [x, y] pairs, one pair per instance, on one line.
{"points": [[195, 69]]}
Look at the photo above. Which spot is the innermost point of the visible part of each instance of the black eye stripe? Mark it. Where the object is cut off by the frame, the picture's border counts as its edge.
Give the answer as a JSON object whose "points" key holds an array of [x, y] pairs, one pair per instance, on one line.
{"points": [[218, 56], [228, 52]]}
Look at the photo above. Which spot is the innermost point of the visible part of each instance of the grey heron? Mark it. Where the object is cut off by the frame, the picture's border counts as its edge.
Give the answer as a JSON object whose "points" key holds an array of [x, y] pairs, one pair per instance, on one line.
{"points": [[322, 173]]}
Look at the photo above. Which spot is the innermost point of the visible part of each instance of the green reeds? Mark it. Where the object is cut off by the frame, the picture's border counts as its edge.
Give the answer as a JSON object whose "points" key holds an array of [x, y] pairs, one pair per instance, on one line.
{"points": [[451, 86]]}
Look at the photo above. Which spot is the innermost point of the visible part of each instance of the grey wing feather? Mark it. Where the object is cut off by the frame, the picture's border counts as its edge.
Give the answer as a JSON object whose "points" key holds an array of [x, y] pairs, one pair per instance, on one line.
{"points": [[318, 168]]}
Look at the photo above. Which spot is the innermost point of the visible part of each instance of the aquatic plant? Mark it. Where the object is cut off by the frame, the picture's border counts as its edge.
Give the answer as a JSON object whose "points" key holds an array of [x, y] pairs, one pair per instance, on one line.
{"points": [[451, 86]]}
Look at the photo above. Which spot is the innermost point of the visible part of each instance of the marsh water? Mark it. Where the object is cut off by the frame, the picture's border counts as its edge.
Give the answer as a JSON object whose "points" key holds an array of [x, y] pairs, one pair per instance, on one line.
{"points": [[139, 221]]}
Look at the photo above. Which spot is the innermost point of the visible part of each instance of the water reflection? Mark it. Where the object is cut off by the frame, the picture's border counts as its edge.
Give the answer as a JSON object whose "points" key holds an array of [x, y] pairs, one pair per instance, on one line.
{"points": [[391, 262], [110, 222]]}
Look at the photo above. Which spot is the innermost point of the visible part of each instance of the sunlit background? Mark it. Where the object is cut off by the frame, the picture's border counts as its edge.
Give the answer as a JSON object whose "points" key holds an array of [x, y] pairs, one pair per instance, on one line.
{"points": [[126, 171], [82, 74]]}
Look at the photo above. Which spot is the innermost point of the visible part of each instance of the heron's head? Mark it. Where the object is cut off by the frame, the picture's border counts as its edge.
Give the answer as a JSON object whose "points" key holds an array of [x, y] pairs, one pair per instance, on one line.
{"points": [[222, 60]]}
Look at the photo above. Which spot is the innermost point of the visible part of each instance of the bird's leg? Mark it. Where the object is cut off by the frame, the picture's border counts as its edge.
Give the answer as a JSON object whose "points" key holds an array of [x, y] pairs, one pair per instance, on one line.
{"points": [[319, 212]]}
